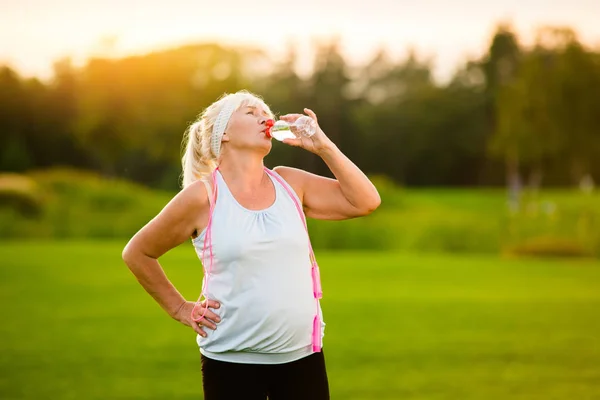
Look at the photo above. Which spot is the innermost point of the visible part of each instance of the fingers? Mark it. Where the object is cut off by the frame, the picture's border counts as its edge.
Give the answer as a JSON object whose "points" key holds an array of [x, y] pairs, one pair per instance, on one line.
{"points": [[211, 316], [210, 303], [293, 117], [290, 117], [198, 330], [207, 322], [310, 113], [204, 317], [293, 142], [205, 313]]}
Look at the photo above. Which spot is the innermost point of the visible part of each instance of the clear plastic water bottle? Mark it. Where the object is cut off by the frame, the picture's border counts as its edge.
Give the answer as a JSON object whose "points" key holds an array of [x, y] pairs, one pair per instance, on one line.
{"points": [[303, 126]]}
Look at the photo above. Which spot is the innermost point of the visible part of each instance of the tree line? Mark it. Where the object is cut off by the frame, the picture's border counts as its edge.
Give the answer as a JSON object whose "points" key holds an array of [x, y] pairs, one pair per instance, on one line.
{"points": [[517, 115]]}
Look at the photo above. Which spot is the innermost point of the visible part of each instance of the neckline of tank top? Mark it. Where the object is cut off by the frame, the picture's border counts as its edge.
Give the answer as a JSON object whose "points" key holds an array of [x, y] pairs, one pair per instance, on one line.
{"points": [[261, 211]]}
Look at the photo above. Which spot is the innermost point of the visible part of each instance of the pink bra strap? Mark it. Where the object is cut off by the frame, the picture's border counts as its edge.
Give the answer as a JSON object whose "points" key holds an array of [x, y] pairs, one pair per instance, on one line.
{"points": [[212, 199], [316, 276]]}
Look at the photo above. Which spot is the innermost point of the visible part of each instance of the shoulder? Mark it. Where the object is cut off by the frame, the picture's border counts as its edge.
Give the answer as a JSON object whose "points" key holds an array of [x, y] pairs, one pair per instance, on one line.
{"points": [[191, 199], [293, 176]]}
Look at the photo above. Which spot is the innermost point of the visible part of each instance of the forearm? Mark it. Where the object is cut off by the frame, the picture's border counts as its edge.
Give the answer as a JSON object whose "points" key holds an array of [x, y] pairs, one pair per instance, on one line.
{"points": [[151, 276], [354, 184]]}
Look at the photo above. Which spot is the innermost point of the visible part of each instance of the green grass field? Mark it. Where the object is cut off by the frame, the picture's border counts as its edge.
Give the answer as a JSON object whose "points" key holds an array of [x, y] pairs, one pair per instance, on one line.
{"points": [[77, 325]]}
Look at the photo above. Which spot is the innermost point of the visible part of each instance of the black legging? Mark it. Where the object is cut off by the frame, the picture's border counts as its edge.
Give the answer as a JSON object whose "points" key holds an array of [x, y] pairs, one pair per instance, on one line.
{"points": [[304, 379]]}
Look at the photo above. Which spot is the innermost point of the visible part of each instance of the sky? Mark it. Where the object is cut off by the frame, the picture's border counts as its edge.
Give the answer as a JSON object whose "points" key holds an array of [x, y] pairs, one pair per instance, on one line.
{"points": [[35, 33]]}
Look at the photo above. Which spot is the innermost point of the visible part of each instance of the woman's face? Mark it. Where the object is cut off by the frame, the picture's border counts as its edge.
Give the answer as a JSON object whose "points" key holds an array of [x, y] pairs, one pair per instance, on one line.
{"points": [[246, 129]]}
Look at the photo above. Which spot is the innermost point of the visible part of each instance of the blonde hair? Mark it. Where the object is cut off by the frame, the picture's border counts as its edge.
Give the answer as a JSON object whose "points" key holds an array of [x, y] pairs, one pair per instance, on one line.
{"points": [[199, 160]]}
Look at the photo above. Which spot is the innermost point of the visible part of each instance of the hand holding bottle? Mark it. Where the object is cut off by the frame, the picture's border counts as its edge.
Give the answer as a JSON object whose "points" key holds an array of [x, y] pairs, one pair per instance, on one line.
{"points": [[300, 131], [303, 126]]}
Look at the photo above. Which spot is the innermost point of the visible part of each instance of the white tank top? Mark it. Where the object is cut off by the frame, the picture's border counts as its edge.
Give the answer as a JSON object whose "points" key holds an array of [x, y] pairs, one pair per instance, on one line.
{"points": [[261, 276]]}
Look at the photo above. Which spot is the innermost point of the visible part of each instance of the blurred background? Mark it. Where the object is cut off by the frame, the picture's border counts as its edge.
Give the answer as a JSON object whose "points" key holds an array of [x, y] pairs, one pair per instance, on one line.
{"points": [[478, 122]]}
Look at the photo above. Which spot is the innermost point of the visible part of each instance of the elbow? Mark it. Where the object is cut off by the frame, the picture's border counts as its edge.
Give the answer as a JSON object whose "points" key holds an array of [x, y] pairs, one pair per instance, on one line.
{"points": [[371, 204], [372, 200], [135, 256], [374, 204], [128, 255]]}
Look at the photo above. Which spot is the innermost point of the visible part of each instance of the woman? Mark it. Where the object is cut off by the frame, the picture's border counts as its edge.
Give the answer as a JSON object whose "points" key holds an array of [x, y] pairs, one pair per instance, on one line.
{"points": [[260, 326]]}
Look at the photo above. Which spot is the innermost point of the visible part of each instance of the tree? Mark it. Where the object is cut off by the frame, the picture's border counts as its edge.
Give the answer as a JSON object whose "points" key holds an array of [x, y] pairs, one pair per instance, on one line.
{"points": [[577, 114], [327, 95], [14, 154], [499, 67], [133, 111]]}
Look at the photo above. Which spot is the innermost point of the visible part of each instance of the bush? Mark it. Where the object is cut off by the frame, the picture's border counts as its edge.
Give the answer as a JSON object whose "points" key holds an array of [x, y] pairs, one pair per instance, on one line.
{"points": [[374, 232], [21, 194], [548, 246], [454, 235], [77, 204]]}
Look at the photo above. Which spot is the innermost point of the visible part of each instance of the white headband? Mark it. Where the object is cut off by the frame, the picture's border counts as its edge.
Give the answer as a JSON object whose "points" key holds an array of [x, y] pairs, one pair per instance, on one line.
{"points": [[220, 126]]}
